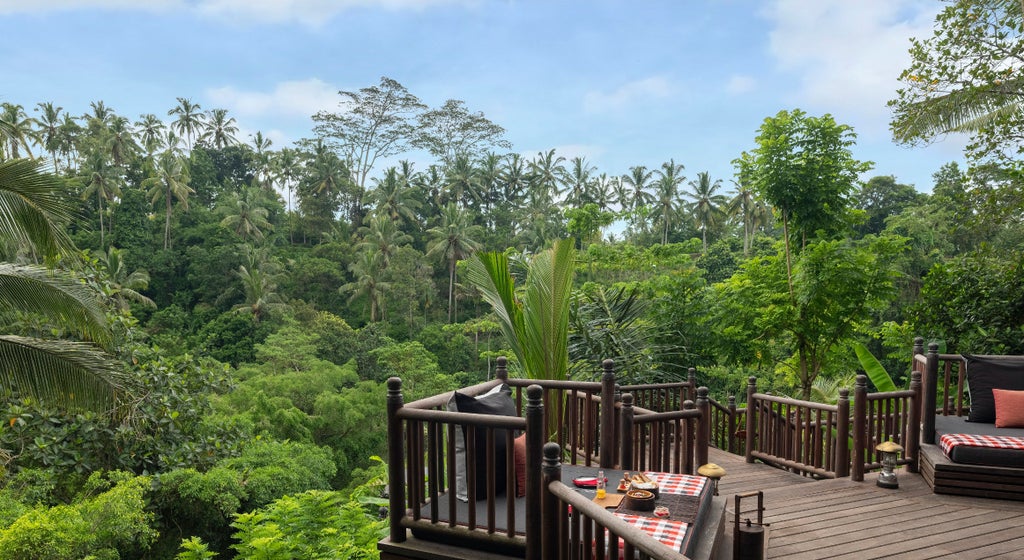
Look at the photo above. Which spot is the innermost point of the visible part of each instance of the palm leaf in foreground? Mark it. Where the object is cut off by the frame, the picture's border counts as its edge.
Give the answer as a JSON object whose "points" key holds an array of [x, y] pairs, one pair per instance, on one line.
{"points": [[33, 208], [72, 375], [68, 303]]}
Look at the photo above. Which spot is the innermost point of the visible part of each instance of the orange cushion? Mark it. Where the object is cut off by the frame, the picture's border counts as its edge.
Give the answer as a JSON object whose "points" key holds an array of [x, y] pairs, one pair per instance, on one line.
{"points": [[519, 446], [1009, 408]]}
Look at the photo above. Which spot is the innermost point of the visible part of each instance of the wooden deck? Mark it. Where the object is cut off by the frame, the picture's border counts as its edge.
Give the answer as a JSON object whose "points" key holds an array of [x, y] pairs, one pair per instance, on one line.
{"points": [[815, 519]]}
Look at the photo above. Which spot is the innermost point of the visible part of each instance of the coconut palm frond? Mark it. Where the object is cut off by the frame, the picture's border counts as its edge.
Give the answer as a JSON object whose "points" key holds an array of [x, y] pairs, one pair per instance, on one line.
{"points": [[34, 289], [964, 110], [33, 208], [72, 375]]}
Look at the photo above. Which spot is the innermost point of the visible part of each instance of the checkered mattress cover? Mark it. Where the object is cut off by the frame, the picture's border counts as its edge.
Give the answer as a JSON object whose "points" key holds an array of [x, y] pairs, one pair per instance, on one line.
{"points": [[672, 533], [949, 441]]}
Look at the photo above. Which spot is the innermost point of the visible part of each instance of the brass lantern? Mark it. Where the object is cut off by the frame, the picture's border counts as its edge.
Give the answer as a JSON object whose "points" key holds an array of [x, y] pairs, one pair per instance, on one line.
{"points": [[890, 451]]}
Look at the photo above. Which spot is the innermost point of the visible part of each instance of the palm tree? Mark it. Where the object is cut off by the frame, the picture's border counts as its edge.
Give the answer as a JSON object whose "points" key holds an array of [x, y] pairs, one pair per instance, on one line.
{"points": [[462, 181], [705, 205], [604, 190], [453, 240], [547, 170], [367, 270], [49, 128], [394, 197], [635, 187], [69, 133], [124, 285], [151, 132], [259, 282], [59, 372], [220, 129], [169, 181], [667, 188], [744, 205], [245, 214], [17, 130], [578, 182], [190, 119], [102, 182], [288, 168], [382, 237], [535, 319], [120, 142]]}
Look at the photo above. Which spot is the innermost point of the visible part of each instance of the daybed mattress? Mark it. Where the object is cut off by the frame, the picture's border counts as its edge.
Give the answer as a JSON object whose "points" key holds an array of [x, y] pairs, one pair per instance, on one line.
{"points": [[975, 455]]}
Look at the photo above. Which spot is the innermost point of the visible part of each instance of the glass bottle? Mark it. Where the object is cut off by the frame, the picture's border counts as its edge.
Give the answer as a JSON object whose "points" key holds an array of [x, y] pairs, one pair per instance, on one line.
{"points": [[600, 485]]}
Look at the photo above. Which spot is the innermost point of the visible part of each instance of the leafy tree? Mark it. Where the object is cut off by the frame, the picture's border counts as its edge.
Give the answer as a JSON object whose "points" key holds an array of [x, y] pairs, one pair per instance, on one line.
{"points": [[452, 130], [586, 222], [373, 123], [966, 78], [881, 198], [837, 287]]}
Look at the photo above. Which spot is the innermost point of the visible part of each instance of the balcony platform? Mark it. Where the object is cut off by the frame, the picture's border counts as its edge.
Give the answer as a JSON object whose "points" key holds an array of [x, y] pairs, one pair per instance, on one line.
{"points": [[816, 519]]}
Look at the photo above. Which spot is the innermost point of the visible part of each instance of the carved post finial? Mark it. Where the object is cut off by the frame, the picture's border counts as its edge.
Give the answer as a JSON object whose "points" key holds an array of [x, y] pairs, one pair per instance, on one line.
{"points": [[501, 372]]}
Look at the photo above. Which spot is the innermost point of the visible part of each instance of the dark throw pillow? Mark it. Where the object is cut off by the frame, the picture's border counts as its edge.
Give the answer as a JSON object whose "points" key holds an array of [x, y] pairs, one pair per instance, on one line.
{"points": [[985, 373], [499, 402]]}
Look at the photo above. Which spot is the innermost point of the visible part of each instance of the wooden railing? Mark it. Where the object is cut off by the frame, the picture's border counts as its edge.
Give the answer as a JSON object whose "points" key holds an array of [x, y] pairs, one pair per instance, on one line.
{"points": [[422, 457], [663, 397], [728, 426], [805, 437], [878, 417], [674, 441], [943, 394], [582, 534]]}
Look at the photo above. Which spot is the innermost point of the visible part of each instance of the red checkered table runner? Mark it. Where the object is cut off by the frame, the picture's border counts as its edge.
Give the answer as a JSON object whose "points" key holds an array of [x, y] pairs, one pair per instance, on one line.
{"points": [[682, 484], [671, 533], [949, 441]]}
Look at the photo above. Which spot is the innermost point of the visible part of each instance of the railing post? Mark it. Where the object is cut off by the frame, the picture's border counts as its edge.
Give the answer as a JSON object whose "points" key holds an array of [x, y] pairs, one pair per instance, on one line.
{"points": [[751, 414], [929, 390], [703, 426], [913, 443], [918, 349], [396, 461], [685, 465], [842, 456], [860, 415], [535, 430], [730, 438], [626, 433], [691, 378], [607, 458], [501, 371], [549, 538]]}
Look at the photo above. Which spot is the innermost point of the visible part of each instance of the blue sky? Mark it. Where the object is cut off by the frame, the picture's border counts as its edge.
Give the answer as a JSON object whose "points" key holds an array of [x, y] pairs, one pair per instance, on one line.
{"points": [[621, 83]]}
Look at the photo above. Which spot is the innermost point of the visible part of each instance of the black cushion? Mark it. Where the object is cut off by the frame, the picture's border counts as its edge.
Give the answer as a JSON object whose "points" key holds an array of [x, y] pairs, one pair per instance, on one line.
{"points": [[985, 373], [501, 404]]}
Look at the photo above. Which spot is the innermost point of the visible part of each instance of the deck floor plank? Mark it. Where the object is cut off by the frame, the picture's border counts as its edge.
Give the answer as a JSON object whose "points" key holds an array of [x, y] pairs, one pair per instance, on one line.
{"points": [[817, 519]]}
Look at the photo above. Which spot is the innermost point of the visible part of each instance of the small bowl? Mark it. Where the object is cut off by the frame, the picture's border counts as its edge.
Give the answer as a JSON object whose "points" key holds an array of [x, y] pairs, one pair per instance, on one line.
{"points": [[640, 500], [651, 487]]}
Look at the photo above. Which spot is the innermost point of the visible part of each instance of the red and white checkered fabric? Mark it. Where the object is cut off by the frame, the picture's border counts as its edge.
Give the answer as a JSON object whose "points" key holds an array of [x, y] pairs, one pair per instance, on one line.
{"points": [[949, 441], [681, 484], [669, 532]]}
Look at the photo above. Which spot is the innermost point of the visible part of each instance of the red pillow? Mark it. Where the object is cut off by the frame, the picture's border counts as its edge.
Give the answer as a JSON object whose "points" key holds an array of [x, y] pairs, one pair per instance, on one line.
{"points": [[1009, 408], [519, 448]]}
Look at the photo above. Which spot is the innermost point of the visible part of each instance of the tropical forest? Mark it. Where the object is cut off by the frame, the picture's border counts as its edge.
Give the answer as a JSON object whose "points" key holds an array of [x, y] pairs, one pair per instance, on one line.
{"points": [[196, 326]]}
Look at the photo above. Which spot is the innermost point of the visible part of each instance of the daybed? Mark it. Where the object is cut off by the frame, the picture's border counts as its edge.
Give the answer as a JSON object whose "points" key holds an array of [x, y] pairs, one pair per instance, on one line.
{"points": [[972, 435]]}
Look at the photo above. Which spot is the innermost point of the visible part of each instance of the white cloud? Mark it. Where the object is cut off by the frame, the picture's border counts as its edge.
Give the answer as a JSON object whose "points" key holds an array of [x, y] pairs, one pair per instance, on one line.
{"points": [[847, 55], [740, 84], [295, 98], [654, 87]]}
